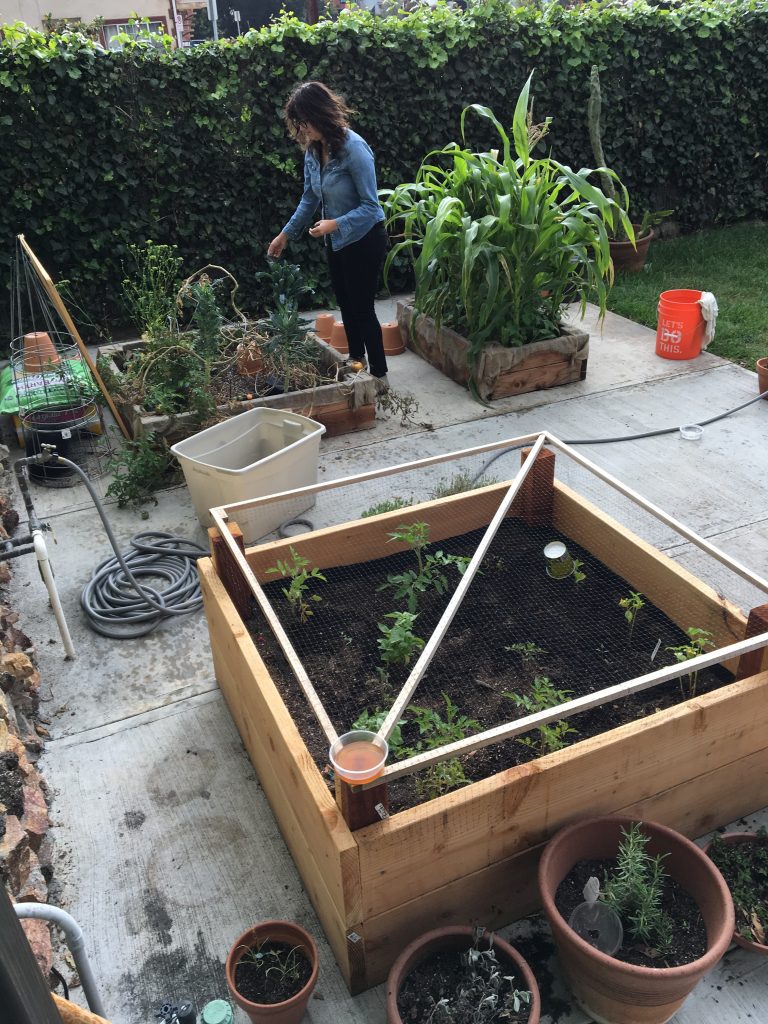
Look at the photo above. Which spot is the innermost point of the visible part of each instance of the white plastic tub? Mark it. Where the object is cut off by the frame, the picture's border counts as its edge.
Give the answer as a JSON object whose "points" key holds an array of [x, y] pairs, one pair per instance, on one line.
{"points": [[258, 453]]}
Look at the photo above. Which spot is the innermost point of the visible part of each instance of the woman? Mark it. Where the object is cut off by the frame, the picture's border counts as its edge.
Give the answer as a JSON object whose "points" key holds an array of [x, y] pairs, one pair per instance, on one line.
{"points": [[340, 177]]}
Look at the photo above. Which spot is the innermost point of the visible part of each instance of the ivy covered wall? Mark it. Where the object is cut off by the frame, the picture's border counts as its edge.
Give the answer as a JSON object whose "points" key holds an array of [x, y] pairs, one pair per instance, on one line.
{"points": [[100, 150]]}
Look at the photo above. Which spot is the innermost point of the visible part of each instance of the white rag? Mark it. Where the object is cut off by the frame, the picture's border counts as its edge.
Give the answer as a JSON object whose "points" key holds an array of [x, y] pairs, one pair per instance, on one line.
{"points": [[708, 304]]}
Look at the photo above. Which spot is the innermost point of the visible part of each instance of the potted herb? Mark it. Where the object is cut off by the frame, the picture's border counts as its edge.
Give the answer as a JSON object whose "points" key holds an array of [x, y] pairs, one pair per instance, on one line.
{"points": [[629, 246], [461, 975], [271, 972], [674, 905], [500, 242], [742, 858]]}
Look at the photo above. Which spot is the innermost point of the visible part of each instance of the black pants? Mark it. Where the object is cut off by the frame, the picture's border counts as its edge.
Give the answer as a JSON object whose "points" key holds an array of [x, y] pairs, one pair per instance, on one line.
{"points": [[355, 277]]}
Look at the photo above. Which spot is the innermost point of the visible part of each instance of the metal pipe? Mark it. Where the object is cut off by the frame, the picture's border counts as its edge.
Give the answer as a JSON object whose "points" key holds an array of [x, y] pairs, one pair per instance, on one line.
{"points": [[15, 552], [75, 940]]}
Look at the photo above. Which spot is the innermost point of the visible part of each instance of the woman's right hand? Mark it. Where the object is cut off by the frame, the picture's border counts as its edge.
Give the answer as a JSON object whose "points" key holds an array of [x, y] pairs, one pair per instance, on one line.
{"points": [[277, 245]]}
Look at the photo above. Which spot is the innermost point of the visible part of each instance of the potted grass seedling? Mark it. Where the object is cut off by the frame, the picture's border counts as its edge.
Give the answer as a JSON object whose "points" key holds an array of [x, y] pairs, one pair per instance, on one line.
{"points": [[742, 858], [271, 972]]}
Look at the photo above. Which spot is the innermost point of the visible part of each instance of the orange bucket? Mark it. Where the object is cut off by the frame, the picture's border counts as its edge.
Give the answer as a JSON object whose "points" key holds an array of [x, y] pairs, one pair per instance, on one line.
{"points": [[681, 324]]}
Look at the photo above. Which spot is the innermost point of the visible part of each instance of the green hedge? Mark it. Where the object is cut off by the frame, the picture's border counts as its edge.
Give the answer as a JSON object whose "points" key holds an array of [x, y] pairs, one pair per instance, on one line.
{"points": [[101, 150]]}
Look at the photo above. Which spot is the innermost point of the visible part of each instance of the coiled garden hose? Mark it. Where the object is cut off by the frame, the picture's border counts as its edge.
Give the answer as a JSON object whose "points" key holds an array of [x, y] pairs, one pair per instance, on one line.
{"points": [[116, 604], [624, 437]]}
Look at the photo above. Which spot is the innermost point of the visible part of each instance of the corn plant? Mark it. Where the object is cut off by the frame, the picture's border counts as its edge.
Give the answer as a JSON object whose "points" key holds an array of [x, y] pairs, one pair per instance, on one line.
{"points": [[501, 240], [698, 641], [297, 592]]}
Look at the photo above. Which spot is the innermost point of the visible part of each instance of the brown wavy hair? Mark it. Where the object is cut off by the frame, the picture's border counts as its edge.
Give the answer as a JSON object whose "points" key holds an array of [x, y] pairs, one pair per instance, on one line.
{"points": [[314, 103]]}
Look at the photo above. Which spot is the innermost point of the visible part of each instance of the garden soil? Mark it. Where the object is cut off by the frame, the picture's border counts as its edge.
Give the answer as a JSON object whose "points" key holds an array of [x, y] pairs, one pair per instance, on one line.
{"points": [[581, 630]]}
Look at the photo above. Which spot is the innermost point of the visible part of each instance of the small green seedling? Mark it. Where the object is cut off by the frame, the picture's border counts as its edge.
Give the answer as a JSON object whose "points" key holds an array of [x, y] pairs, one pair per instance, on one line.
{"points": [[435, 731], [543, 695], [578, 575], [275, 963], [527, 649], [631, 606], [698, 641], [399, 643], [297, 592], [429, 575]]}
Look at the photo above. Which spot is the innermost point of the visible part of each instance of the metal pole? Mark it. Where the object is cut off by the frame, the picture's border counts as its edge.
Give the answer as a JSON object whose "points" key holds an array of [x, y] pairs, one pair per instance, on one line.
{"points": [[213, 14], [24, 995]]}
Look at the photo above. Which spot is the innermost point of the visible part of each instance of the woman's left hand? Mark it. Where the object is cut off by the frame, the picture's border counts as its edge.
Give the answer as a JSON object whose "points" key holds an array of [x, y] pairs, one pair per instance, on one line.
{"points": [[323, 227]]}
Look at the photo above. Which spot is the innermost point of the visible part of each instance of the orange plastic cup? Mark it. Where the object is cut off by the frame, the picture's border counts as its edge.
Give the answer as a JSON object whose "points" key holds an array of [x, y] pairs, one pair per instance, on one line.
{"points": [[359, 756]]}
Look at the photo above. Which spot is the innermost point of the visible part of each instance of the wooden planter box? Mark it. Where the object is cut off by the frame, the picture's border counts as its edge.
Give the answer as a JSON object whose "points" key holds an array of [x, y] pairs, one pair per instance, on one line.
{"points": [[501, 372], [471, 855], [340, 409]]}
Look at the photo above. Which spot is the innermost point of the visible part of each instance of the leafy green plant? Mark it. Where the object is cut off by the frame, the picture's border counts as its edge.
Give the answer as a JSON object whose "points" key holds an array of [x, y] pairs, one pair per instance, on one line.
{"points": [[501, 240], [436, 731], [141, 467], [149, 288], [529, 651], [297, 592], [632, 605], [635, 891], [744, 866], [413, 583], [390, 505], [543, 695], [398, 643], [372, 721], [698, 641], [285, 283], [482, 994]]}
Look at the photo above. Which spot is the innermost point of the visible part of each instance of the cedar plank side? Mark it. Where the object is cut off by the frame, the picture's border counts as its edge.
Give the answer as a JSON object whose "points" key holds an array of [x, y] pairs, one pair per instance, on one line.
{"points": [[321, 844], [462, 832]]}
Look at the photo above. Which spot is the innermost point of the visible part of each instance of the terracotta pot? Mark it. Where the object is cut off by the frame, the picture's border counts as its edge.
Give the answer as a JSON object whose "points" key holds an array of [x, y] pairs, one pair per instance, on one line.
{"points": [[339, 337], [628, 258], [324, 325], [610, 991], [291, 1010], [458, 937], [39, 352], [734, 838], [762, 377], [392, 338]]}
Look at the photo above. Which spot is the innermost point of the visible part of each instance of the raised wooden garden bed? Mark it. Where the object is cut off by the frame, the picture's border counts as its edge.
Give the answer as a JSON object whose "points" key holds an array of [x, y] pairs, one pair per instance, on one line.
{"points": [[471, 855], [341, 408], [500, 372]]}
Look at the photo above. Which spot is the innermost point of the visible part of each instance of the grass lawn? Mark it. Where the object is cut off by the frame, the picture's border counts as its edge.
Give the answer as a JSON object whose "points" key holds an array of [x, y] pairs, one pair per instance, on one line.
{"points": [[732, 263]]}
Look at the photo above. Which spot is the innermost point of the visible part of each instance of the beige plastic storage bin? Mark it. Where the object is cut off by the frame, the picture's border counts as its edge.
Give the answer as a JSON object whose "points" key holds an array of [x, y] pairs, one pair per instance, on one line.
{"points": [[258, 453]]}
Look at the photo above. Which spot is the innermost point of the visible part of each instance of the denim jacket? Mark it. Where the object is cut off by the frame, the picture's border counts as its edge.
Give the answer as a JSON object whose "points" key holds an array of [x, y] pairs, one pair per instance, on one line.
{"points": [[346, 189]]}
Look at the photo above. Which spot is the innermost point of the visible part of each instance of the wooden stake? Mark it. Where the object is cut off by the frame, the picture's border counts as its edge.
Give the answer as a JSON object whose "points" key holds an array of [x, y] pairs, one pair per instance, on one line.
{"points": [[754, 661], [228, 570], [61, 309], [537, 492], [72, 1014], [359, 807]]}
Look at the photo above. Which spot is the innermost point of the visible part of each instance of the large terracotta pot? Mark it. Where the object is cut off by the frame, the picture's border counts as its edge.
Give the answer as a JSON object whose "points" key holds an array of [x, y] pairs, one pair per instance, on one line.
{"points": [[762, 377], [734, 838], [292, 1010], [40, 353], [460, 938], [631, 258], [610, 991]]}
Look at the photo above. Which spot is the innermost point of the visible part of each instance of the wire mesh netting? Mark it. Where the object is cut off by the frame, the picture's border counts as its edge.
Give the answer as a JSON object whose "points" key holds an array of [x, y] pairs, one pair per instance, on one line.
{"points": [[360, 606]]}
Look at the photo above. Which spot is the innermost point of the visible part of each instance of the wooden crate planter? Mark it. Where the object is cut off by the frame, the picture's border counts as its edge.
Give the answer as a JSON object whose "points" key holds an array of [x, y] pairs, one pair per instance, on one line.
{"points": [[471, 855], [340, 408], [501, 372]]}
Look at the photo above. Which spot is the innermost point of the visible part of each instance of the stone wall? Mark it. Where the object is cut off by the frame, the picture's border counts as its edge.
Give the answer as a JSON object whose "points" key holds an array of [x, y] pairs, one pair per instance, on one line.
{"points": [[25, 844]]}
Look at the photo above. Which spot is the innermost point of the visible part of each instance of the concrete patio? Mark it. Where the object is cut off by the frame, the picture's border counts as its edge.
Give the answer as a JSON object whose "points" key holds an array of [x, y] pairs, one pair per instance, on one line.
{"points": [[167, 848]]}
